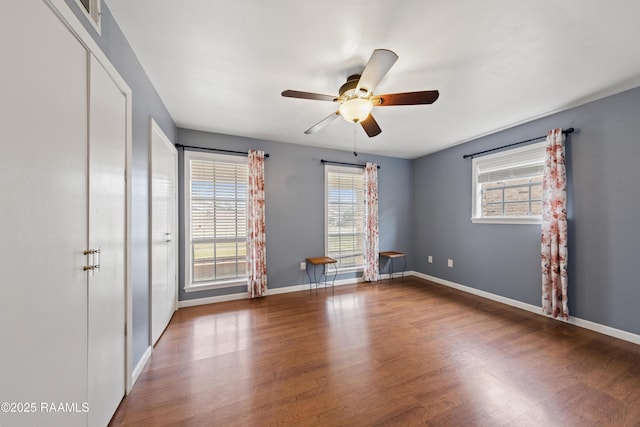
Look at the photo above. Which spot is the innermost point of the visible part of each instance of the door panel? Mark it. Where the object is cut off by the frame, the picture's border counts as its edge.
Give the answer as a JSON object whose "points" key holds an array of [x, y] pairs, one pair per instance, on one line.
{"points": [[43, 328], [106, 301], [164, 165]]}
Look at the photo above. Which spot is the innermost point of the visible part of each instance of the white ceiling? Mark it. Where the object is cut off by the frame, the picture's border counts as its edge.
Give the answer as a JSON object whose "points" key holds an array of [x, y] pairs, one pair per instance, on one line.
{"points": [[220, 66]]}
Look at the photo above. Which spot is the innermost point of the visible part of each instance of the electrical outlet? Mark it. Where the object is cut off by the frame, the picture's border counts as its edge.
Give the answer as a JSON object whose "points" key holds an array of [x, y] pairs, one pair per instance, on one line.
{"points": [[430, 259], [303, 265], [450, 263]]}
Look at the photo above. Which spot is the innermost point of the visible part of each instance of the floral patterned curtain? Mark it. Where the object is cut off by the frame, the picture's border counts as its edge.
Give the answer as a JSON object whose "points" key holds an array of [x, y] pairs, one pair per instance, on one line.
{"points": [[554, 228], [371, 273], [256, 246]]}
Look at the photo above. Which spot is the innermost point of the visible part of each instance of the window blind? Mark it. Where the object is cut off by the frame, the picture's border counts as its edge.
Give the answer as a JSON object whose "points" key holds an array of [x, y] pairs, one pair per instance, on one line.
{"points": [[507, 186], [527, 171], [519, 163], [345, 216], [218, 203]]}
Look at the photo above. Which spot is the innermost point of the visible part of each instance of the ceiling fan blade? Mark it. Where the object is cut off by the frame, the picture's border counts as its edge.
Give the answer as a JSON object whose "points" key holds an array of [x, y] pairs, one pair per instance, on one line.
{"points": [[308, 95], [406, 98], [370, 126], [378, 66], [322, 123]]}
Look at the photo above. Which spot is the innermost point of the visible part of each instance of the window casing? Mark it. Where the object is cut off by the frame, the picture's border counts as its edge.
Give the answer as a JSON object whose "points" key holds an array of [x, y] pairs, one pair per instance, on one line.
{"points": [[507, 186], [215, 220], [345, 216], [91, 8]]}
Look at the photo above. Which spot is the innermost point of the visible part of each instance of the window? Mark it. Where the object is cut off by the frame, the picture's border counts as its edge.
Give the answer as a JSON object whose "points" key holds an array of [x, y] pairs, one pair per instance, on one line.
{"points": [[92, 11], [215, 220], [344, 189], [507, 186]]}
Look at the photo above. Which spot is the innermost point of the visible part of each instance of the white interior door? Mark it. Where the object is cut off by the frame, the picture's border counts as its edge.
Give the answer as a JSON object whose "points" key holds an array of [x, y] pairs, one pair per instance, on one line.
{"points": [[164, 202], [107, 210], [43, 188]]}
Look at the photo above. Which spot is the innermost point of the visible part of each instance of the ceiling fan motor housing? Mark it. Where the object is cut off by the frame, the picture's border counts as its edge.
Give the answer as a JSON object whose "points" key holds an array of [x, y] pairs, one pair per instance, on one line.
{"points": [[347, 90]]}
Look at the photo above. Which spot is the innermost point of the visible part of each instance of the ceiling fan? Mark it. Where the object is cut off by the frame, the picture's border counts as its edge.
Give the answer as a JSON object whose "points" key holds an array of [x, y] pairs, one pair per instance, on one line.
{"points": [[356, 96]]}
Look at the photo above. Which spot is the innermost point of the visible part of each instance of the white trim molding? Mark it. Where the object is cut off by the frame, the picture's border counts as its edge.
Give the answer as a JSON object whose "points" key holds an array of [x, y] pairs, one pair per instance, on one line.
{"points": [[211, 300], [483, 294], [271, 291], [141, 364], [576, 321]]}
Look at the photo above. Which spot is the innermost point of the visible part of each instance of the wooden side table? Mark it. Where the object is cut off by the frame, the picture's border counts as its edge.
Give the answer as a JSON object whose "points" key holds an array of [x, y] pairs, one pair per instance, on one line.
{"points": [[322, 261], [391, 255]]}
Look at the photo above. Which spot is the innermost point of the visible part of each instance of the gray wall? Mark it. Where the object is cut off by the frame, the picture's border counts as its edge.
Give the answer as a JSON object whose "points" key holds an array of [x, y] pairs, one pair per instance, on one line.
{"points": [[603, 206], [294, 192], [425, 205], [146, 105]]}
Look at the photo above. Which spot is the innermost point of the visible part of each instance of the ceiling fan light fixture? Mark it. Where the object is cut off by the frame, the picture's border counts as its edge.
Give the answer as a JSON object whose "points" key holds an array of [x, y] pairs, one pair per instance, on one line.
{"points": [[356, 98], [355, 110]]}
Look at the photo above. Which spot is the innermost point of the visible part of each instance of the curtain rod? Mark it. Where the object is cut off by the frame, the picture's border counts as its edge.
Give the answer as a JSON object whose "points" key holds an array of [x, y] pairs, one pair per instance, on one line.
{"points": [[565, 131], [217, 150], [344, 164]]}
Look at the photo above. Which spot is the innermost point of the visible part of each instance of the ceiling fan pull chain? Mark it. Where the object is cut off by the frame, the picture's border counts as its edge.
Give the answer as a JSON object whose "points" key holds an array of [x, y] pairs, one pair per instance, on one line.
{"points": [[355, 153]]}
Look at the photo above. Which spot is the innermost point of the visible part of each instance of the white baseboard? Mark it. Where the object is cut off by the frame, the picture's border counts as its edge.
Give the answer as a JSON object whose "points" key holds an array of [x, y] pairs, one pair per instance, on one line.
{"points": [[287, 289], [211, 300], [140, 366], [397, 275], [306, 286], [272, 291], [596, 327], [606, 330], [488, 295]]}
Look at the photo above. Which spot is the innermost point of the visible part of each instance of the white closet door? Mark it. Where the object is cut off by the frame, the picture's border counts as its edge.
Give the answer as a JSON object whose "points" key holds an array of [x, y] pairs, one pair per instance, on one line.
{"points": [[164, 287], [43, 220], [107, 143]]}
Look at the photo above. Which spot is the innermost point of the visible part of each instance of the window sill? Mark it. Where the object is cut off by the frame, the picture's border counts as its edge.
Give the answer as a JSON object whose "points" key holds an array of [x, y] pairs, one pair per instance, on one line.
{"points": [[508, 220], [216, 285]]}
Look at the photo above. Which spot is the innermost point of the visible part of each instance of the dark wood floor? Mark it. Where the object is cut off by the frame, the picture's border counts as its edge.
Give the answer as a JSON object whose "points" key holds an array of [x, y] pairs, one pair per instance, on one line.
{"points": [[403, 353]]}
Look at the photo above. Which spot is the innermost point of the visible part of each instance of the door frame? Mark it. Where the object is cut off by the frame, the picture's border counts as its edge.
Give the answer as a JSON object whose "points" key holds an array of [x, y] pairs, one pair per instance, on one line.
{"points": [[68, 18], [154, 128]]}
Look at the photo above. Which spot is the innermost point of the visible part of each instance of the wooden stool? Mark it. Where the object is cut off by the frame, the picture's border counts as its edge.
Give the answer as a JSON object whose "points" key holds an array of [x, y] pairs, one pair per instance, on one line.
{"points": [[391, 255], [322, 261]]}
